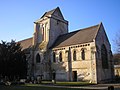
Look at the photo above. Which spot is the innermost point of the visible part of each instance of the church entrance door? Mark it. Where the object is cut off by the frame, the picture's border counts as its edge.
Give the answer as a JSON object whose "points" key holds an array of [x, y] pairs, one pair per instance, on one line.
{"points": [[74, 75]]}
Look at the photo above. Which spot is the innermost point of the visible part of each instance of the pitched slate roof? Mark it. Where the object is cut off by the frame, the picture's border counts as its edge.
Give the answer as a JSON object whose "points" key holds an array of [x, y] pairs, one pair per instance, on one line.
{"points": [[27, 43], [77, 37], [49, 12]]}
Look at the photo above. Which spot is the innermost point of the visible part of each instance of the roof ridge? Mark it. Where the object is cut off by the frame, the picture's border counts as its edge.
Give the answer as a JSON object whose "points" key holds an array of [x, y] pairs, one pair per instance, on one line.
{"points": [[88, 27], [69, 33], [80, 29]]}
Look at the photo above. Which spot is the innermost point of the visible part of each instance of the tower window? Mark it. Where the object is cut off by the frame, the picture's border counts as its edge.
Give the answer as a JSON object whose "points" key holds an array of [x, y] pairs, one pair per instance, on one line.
{"points": [[58, 21], [43, 36], [38, 59], [38, 26]]}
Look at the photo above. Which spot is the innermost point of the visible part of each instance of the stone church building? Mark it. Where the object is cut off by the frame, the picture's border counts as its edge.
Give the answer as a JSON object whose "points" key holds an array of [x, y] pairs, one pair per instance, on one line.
{"points": [[55, 53]]}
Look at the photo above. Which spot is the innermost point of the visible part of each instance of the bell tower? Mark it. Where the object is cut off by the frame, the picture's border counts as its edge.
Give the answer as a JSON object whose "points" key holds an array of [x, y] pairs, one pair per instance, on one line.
{"points": [[48, 28]]}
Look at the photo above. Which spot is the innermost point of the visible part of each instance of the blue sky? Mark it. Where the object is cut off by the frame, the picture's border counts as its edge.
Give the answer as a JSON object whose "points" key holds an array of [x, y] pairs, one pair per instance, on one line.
{"points": [[17, 16]]}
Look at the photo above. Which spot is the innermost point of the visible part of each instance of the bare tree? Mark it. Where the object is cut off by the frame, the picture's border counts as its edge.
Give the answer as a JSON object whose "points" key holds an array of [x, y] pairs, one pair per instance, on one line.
{"points": [[116, 58], [117, 41]]}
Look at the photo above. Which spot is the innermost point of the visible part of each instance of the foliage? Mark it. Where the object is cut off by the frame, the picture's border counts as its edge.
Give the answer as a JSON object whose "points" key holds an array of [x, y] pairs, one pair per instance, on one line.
{"points": [[12, 60]]}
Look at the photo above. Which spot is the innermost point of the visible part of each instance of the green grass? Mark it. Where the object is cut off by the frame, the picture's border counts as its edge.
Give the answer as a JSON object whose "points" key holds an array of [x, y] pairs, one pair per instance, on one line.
{"points": [[72, 83], [67, 83], [34, 87], [62, 83], [42, 87]]}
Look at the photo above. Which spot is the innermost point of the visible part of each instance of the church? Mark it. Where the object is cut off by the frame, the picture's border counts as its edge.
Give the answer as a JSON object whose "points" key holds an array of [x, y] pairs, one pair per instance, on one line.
{"points": [[55, 53]]}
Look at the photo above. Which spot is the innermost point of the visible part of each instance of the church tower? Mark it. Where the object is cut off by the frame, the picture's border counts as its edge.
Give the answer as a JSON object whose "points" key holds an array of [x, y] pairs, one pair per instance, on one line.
{"points": [[48, 28], [46, 31]]}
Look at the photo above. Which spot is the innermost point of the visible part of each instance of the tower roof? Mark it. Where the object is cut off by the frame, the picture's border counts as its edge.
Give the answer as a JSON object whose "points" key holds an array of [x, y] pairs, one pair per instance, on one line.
{"points": [[52, 13], [49, 12]]}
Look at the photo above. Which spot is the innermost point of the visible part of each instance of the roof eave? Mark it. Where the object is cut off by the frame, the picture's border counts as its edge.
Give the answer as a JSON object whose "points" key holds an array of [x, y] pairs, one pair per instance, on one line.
{"points": [[57, 47]]}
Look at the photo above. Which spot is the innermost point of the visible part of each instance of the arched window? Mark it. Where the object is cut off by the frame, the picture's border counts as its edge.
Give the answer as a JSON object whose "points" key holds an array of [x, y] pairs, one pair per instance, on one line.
{"points": [[54, 57], [66, 55], [104, 57], [38, 59], [83, 54], [60, 56], [74, 55]]}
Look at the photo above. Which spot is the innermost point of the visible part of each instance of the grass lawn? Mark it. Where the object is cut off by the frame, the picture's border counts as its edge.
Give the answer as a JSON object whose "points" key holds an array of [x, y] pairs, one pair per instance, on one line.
{"points": [[39, 87], [72, 83], [68, 83], [36, 87]]}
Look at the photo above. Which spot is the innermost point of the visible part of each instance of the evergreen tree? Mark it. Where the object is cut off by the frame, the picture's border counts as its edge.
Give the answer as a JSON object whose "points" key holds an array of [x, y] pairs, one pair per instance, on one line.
{"points": [[12, 60]]}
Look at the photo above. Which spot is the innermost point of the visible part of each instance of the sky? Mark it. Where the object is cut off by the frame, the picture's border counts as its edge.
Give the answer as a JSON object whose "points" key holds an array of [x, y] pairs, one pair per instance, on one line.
{"points": [[17, 16]]}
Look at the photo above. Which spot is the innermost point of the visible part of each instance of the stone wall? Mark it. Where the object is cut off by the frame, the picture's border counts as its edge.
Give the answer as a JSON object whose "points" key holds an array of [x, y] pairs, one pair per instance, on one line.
{"points": [[86, 69], [57, 27], [103, 74]]}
